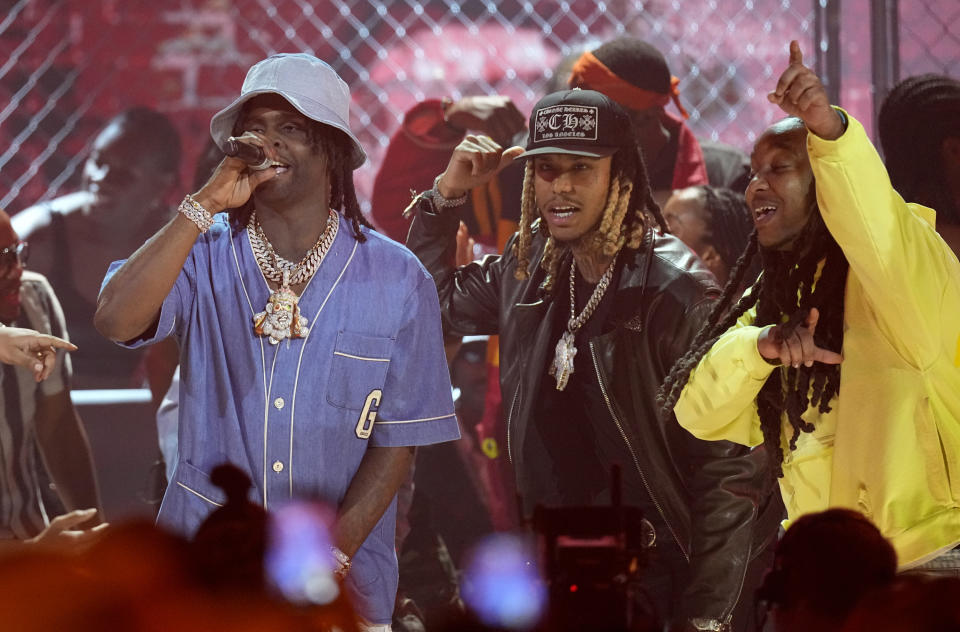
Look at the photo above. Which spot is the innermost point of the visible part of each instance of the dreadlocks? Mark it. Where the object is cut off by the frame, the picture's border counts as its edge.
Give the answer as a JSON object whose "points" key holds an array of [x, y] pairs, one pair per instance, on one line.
{"points": [[729, 223], [335, 145], [915, 118], [623, 222], [787, 288], [343, 195]]}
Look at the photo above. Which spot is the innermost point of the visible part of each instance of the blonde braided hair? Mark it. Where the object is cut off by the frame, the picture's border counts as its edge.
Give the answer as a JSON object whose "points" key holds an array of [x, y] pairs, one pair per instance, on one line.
{"points": [[528, 214], [618, 227]]}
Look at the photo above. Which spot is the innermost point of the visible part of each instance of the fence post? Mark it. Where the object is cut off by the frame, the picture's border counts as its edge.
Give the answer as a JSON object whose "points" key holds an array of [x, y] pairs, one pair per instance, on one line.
{"points": [[826, 37], [884, 50]]}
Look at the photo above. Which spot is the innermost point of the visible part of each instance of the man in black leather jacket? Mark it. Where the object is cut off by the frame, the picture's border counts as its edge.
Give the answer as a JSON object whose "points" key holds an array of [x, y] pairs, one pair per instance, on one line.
{"points": [[593, 306]]}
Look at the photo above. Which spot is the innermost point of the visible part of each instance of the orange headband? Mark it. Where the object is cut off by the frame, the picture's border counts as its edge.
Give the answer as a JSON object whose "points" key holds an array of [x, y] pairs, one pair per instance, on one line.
{"points": [[591, 72]]}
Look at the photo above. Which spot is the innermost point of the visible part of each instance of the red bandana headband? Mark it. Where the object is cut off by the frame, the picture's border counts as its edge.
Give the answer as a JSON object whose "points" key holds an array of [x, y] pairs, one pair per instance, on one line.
{"points": [[591, 72]]}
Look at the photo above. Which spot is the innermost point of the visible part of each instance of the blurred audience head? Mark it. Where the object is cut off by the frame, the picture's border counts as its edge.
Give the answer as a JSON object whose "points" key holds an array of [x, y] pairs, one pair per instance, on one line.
{"points": [[133, 163], [911, 603], [715, 223], [919, 126], [822, 566], [229, 547], [139, 578]]}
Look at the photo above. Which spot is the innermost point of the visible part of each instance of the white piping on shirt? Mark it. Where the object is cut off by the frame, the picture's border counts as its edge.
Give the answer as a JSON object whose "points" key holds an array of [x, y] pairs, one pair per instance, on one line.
{"points": [[416, 421], [296, 379], [356, 357], [193, 491], [263, 359]]}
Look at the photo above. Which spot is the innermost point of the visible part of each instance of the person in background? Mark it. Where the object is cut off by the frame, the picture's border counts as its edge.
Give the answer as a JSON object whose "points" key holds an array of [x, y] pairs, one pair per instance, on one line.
{"points": [[715, 223], [123, 199], [635, 75], [41, 427], [418, 151], [919, 127]]}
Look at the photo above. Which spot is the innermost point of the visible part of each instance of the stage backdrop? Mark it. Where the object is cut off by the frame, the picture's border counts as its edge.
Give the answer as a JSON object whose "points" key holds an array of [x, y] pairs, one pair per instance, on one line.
{"points": [[67, 66]]}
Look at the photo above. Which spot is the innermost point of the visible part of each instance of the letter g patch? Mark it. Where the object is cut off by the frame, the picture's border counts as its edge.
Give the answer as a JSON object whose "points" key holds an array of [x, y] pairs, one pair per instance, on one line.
{"points": [[369, 414]]}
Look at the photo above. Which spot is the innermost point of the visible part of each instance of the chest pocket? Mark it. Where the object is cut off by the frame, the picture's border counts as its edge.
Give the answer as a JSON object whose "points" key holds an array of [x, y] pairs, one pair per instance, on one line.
{"points": [[359, 366]]}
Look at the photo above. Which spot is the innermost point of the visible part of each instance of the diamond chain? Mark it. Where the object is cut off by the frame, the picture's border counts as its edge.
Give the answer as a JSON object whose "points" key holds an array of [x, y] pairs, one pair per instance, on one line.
{"points": [[277, 269], [576, 322]]}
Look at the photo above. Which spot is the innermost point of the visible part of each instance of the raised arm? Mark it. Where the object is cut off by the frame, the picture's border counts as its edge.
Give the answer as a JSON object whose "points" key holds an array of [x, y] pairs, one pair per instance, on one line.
{"points": [[130, 302], [891, 246], [469, 295], [420, 149]]}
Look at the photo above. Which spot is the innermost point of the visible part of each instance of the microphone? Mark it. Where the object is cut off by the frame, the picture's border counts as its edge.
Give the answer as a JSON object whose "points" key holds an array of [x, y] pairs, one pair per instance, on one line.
{"points": [[251, 154]]}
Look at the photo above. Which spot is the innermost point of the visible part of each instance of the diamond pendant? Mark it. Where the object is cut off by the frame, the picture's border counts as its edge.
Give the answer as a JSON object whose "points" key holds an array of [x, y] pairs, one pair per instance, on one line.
{"points": [[562, 366], [281, 316]]}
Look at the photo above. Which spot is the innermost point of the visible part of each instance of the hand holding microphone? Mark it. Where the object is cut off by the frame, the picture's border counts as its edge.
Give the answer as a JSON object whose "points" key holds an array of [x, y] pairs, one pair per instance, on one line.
{"points": [[250, 153], [248, 166]]}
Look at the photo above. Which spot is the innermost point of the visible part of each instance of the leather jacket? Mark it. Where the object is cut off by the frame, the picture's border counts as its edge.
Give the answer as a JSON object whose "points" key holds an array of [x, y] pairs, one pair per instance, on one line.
{"points": [[708, 493]]}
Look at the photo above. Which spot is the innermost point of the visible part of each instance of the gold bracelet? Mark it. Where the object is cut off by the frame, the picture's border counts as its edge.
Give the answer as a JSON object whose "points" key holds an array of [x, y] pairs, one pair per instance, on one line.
{"points": [[194, 211]]}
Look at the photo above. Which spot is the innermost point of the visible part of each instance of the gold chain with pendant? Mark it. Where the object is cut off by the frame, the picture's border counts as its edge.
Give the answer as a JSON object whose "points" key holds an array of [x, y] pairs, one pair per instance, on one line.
{"points": [[281, 317]]}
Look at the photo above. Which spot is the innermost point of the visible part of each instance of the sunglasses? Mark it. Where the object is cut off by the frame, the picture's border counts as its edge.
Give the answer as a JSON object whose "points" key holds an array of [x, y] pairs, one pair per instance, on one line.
{"points": [[15, 254]]}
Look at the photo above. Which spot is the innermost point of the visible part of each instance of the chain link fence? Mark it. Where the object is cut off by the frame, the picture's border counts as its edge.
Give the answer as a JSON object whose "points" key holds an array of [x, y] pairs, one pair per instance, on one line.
{"points": [[72, 64], [929, 37]]}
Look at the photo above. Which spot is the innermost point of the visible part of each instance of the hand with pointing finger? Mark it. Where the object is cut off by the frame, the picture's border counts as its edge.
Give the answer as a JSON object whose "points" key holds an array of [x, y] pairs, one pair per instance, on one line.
{"points": [[793, 346], [475, 161], [31, 349], [800, 93]]}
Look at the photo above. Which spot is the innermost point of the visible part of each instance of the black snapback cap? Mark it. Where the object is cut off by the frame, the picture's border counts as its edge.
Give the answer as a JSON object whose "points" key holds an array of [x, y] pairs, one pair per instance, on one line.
{"points": [[578, 122]]}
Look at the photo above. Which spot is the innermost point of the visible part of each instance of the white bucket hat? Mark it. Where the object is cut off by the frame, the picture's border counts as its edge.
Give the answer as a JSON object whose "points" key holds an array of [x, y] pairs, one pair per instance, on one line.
{"points": [[310, 85]]}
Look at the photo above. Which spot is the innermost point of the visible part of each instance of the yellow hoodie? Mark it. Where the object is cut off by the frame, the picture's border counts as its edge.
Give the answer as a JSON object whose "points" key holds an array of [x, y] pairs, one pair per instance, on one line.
{"points": [[890, 448]]}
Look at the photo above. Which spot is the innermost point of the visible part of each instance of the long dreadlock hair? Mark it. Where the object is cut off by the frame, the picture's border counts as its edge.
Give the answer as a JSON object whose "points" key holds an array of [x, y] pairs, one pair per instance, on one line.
{"points": [[337, 148], [915, 118], [729, 225], [789, 287], [622, 224]]}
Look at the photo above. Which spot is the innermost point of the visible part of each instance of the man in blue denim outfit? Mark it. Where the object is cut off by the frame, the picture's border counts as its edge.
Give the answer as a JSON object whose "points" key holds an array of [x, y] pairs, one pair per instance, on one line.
{"points": [[316, 377]]}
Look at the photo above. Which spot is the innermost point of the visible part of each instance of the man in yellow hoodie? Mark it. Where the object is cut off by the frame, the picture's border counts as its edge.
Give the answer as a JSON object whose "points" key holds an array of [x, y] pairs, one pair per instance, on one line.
{"points": [[844, 357]]}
